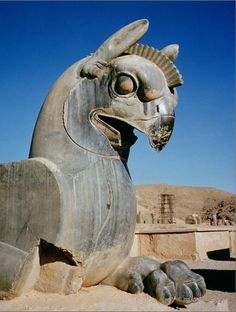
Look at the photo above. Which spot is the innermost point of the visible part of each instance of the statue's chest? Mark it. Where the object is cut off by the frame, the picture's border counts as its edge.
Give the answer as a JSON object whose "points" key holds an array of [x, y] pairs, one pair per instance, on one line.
{"points": [[104, 209]]}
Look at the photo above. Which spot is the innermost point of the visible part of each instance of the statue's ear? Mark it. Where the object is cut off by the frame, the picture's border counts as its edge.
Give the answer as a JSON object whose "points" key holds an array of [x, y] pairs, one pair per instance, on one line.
{"points": [[113, 47], [171, 51]]}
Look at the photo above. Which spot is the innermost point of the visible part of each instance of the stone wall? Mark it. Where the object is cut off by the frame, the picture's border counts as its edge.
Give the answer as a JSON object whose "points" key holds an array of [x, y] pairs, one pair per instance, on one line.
{"points": [[189, 242]]}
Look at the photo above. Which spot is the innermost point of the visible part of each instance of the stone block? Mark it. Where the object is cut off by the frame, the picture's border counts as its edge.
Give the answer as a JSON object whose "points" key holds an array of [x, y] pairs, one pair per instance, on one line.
{"points": [[211, 241], [29, 203], [19, 270], [59, 277], [173, 243], [167, 246], [232, 243]]}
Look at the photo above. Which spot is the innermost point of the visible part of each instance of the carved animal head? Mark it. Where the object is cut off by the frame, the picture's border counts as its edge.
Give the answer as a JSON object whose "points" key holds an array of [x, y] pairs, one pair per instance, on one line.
{"points": [[122, 86]]}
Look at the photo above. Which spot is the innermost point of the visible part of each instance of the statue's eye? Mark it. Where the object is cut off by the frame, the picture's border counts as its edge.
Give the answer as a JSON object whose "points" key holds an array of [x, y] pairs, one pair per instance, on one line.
{"points": [[124, 85]]}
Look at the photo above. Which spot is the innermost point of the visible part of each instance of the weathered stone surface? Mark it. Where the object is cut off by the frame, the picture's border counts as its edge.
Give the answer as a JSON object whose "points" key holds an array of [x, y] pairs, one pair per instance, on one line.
{"points": [[211, 241], [12, 260], [19, 270], [30, 203], [232, 243], [59, 277], [166, 245], [28, 191], [185, 242], [73, 200]]}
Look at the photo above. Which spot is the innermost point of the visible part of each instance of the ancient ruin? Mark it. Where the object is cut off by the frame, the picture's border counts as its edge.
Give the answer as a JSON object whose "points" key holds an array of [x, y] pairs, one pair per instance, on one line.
{"points": [[193, 233], [163, 213], [68, 212]]}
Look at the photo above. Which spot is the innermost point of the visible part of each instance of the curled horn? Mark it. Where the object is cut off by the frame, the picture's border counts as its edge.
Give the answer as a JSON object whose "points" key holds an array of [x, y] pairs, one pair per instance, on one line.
{"points": [[113, 47]]}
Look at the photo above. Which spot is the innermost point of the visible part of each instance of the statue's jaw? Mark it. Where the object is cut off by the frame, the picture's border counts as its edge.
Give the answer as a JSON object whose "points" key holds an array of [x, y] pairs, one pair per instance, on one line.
{"points": [[119, 131]]}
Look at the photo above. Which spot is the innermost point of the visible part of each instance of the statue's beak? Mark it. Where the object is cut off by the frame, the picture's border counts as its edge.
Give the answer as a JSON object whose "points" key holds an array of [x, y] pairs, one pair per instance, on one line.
{"points": [[159, 132], [158, 123]]}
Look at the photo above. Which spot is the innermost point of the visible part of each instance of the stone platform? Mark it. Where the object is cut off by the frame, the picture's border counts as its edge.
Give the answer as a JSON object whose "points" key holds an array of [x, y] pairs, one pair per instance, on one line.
{"points": [[184, 242]]}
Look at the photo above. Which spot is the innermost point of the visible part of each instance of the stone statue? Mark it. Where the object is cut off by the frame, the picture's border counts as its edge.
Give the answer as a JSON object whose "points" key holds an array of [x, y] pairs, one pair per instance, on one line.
{"points": [[193, 219], [68, 212]]}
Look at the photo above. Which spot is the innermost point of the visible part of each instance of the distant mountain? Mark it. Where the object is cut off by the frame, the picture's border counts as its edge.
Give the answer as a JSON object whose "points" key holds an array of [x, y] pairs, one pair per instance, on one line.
{"points": [[187, 200]]}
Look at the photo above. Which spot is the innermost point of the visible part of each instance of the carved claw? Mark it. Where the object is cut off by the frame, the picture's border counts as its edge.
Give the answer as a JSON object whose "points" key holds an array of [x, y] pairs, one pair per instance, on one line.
{"points": [[189, 285], [135, 285], [158, 285]]}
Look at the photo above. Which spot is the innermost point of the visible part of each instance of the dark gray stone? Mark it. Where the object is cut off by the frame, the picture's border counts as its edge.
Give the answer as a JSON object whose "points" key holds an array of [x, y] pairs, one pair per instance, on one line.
{"points": [[70, 208]]}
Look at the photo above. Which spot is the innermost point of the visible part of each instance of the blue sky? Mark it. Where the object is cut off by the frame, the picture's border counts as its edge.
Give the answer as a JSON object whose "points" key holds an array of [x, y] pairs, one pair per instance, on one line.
{"points": [[39, 40]]}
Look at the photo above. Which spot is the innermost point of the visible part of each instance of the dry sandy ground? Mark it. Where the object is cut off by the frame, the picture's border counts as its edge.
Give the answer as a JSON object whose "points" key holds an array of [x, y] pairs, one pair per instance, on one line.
{"points": [[107, 298]]}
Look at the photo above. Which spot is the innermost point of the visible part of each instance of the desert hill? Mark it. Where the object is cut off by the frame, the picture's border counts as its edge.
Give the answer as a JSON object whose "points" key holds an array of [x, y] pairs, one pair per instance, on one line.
{"points": [[187, 200]]}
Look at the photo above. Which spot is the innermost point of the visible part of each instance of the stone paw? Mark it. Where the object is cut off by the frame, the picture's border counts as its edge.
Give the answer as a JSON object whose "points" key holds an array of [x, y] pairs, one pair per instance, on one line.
{"points": [[189, 285], [135, 284], [158, 285]]}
